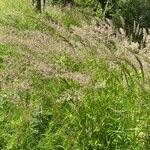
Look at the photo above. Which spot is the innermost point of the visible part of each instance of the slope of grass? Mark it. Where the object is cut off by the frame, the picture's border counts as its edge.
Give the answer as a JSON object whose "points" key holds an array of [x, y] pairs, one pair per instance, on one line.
{"points": [[55, 95]]}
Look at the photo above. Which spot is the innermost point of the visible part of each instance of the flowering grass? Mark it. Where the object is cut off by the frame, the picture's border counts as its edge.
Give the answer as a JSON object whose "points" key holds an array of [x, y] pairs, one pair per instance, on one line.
{"points": [[60, 91]]}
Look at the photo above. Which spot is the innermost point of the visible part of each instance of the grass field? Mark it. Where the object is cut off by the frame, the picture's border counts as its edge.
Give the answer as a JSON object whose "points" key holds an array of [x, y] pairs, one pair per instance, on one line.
{"points": [[63, 86]]}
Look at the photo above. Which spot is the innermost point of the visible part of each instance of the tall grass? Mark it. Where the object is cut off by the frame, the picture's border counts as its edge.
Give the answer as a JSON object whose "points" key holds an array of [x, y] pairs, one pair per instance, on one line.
{"points": [[54, 108]]}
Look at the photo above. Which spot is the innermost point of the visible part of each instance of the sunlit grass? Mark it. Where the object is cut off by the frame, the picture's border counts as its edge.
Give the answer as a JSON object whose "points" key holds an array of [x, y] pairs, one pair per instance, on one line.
{"points": [[43, 107]]}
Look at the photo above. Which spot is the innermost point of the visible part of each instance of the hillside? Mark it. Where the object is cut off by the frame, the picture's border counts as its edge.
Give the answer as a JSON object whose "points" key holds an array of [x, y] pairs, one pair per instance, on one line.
{"points": [[70, 81]]}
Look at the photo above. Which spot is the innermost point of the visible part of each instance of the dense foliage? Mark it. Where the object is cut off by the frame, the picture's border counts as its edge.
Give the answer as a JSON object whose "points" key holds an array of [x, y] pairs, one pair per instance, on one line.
{"points": [[69, 80], [130, 10]]}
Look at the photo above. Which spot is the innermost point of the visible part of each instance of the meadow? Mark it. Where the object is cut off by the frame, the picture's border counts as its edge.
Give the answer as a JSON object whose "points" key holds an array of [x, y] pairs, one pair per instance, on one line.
{"points": [[68, 84]]}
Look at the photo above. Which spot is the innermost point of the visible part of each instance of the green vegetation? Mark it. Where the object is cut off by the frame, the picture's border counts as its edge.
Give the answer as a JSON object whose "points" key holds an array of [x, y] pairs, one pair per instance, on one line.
{"points": [[70, 82]]}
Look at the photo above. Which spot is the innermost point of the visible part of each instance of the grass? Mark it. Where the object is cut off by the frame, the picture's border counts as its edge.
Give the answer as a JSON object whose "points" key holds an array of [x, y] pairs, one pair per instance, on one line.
{"points": [[55, 100]]}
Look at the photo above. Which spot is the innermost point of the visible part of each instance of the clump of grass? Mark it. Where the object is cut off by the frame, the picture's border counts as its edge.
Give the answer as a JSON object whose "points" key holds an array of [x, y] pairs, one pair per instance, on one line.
{"points": [[106, 116], [15, 14], [52, 111], [67, 62], [66, 17], [70, 18]]}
